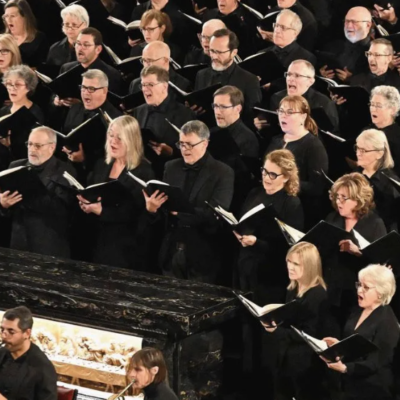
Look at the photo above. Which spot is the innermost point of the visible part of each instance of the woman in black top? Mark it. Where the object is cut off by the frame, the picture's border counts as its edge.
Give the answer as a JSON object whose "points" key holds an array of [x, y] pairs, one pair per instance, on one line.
{"points": [[300, 137], [371, 377], [21, 23], [260, 259], [384, 106], [299, 372], [74, 19], [21, 83], [353, 200], [149, 371], [121, 227], [375, 163], [155, 25]]}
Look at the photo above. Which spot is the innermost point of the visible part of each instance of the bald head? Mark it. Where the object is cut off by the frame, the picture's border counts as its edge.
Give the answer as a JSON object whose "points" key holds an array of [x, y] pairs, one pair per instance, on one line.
{"points": [[208, 30], [156, 53], [357, 24]]}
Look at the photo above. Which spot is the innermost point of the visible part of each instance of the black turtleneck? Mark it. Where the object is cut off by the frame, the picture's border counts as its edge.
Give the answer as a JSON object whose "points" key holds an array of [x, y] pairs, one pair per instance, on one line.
{"points": [[159, 391]]}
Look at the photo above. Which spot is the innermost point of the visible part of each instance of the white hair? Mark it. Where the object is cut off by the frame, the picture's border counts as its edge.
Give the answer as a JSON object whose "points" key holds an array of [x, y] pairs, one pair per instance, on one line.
{"points": [[77, 11]]}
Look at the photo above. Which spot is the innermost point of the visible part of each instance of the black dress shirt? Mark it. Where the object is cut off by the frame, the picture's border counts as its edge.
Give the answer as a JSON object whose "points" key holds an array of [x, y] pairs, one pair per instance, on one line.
{"points": [[368, 80], [309, 32], [114, 76], [196, 56], [293, 51], [315, 100], [29, 377], [35, 52], [244, 138], [61, 53]]}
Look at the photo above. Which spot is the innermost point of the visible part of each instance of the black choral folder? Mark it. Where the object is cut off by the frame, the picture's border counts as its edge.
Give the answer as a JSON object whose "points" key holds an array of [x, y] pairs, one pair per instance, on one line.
{"points": [[21, 121], [277, 313], [347, 350], [22, 179], [177, 201]]}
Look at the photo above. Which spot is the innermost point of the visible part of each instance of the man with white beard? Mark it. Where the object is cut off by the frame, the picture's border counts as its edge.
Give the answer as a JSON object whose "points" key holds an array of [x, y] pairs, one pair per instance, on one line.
{"points": [[349, 54]]}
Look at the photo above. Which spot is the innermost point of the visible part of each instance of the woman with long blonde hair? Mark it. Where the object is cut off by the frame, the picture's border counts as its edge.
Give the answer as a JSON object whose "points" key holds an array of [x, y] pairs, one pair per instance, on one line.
{"points": [[299, 373], [120, 227]]}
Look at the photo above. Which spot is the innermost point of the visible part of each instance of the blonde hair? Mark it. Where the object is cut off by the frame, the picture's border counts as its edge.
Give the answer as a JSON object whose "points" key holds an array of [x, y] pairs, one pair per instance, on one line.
{"points": [[359, 190], [285, 160], [378, 141], [8, 42], [129, 132], [383, 280], [300, 104], [312, 267]]}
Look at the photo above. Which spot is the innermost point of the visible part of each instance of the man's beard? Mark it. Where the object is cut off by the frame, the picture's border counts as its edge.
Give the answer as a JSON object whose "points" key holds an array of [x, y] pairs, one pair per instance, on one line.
{"points": [[218, 66], [356, 37]]}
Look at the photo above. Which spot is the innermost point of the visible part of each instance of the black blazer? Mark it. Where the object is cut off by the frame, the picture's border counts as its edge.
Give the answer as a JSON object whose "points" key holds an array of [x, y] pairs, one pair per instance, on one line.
{"points": [[37, 379], [114, 76], [371, 377], [120, 228], [214, 184], [42, 225]]}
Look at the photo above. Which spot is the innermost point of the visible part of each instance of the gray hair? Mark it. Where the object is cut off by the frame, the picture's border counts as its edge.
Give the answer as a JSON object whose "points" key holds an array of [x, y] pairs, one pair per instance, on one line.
{"points": [[296, 23], [51, 135], [383, 280], [77, 11], [391, 95], [26, 74], [307, 64], [378, 140], [96, 74], [198, 128]]}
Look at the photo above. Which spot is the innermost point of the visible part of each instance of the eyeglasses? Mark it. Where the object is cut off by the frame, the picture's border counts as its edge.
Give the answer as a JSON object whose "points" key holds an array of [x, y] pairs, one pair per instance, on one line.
{"points": [[294, 75], [90, 89], [187, 146], [4, 52], [9, 332], [363, 287], [10, 16], [288, 113], [340, 197], [218, 52], [36, 146], [74, 27], [377, 105], [84, 45], [352, 21], [220, 106], [363, 151], [283, 27], [204, 37], [17, 86], [149, 30], [272, 175], [148, 85], [149, 60], [375, 55]]}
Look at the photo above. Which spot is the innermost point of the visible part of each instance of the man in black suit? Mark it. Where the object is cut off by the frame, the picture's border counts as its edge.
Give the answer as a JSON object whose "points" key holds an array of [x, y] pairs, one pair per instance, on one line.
{"points": [[202, 56], [223, 48], [160, 105], [299, 80], [190, 247], [25, 371], [287, 28], [159, 54], [88, 48], [309, 32], [94, 90], [41, 224]]}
